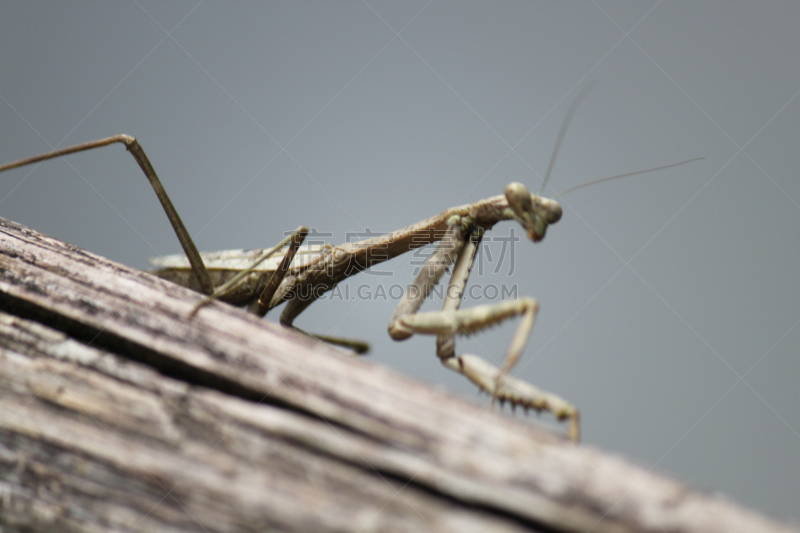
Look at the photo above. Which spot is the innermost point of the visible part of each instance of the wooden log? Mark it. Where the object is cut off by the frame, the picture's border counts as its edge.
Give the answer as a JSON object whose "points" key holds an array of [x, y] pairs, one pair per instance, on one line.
{"points": [[118, 413]]}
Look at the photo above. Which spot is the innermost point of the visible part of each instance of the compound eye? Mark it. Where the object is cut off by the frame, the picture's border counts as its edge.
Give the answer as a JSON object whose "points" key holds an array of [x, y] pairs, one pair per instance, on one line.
{"points": [[555, 214], [519, 198]]}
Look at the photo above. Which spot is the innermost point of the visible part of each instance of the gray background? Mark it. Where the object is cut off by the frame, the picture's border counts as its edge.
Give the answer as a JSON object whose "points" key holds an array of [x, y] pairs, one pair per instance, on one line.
{"points": [[669, 302]]}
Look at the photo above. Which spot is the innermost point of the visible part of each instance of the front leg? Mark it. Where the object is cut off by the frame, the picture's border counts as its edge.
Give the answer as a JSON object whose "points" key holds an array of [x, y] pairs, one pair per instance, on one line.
{"points": [[449, 322], [516, 392]]}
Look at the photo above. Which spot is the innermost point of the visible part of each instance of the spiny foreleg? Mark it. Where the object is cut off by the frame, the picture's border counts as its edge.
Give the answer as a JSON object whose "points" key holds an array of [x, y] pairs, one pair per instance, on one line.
{"points": [[452, 321], [516, 392], [435, 266]]}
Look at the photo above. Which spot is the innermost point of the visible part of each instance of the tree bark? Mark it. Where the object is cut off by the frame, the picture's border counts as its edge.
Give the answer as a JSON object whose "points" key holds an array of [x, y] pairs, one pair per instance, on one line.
{"points": [[120, 413]]}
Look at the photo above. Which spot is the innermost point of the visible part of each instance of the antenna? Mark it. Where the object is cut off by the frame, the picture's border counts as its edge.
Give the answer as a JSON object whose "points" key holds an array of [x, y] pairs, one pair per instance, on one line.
{"points": [[595, 182], [563, 131]]}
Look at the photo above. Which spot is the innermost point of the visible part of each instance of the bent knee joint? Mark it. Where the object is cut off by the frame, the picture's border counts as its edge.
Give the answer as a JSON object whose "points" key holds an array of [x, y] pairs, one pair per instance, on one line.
{"points": [[398, 331]]}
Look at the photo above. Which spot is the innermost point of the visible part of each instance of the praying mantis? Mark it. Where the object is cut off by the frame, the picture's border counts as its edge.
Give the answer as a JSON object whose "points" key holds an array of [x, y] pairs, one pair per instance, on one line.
{"points": [[298, 275]]}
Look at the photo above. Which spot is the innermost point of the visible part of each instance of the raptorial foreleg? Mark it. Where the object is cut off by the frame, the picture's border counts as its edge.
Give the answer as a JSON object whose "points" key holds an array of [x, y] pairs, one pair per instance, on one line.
{"points": [[484, 374], [452, 321]]}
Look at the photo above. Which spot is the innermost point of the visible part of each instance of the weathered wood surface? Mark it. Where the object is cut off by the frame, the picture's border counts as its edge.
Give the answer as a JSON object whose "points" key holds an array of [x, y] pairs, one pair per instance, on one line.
{"points": [[117, 413]]}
